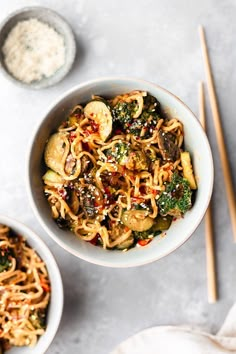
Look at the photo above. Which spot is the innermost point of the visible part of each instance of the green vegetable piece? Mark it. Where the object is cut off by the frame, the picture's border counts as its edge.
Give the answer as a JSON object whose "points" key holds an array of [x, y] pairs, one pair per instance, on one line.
{"points": [[100, 113], [137, 161], [119, 152], [137, 220], [5, 261], [75, 114], [125, 156], [123, 112], [126, 244], [38, 319], [146, 234], [162, 223], [52, 177], [176, 199], [144, 125], [151, 104]]}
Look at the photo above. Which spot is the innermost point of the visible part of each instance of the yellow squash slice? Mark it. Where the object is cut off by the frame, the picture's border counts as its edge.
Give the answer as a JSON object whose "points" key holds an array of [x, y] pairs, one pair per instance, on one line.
{"points": [[188, 169]]}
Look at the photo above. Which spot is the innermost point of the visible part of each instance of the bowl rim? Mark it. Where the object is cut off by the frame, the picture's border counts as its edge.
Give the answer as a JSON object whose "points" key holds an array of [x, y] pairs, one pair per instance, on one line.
{"points": [[29, 234], [36, 85], [28, 179]]}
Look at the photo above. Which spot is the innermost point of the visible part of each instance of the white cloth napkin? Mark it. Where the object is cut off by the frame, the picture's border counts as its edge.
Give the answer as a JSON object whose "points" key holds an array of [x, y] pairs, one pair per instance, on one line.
{"points": [[182, 340]]}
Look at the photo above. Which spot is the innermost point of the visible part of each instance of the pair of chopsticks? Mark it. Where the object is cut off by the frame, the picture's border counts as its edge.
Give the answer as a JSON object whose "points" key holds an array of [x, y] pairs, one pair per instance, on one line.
{"points": [[211, 272]]}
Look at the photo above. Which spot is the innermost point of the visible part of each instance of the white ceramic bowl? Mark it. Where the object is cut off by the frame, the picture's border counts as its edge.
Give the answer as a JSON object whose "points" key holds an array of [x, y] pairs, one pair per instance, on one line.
{"points": [[195, 141], [56, 301]]}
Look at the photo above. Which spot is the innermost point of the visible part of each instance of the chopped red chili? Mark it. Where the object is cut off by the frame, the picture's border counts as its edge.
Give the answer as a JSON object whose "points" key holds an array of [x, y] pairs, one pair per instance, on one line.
{"points": [[144, 242]]}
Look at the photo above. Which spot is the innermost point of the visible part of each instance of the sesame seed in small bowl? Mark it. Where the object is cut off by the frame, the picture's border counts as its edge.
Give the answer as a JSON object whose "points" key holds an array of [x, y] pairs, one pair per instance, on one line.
{"points": [[37, 47]]}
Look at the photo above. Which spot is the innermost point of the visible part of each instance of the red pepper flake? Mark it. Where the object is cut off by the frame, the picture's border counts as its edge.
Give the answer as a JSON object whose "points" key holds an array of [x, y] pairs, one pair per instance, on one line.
{"points": [[132, 178], [45, 285], [142, 190], [154, 192], [144, 242], [87, 132], [94, 241], [62, 193], [94, 126], [86, 147], [107, 190], [118, 132], [138, 200], [77, 115], [72, 136]]}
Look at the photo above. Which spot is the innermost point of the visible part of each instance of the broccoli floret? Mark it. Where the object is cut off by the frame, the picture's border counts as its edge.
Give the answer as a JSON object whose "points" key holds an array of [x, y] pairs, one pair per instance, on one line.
{"points": [[137, 161], [119, 152], [176, 199], [151, 104], [145, 234], [125, 156], [38, 319], [147, 120], [140, 206], [144, 125], [123, 112], [5, 260]]}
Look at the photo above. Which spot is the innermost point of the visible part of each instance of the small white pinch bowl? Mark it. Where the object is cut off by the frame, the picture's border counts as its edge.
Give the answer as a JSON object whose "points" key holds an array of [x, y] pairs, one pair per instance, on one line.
{"points": [[55, 21]]}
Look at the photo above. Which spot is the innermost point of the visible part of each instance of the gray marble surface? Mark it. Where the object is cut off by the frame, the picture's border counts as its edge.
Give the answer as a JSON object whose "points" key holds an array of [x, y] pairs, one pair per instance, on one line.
{"points": [[157, 41]]}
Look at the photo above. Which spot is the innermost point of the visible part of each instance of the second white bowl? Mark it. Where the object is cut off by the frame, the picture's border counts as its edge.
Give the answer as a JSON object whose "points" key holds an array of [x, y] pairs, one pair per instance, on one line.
{"points": [[56, 301]]}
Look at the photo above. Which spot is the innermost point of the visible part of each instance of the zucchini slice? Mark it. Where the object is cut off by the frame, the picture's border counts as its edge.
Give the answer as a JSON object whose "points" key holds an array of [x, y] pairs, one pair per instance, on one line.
{"points": [[137, 220], [52, 177], [162, 223], [126, 244], [188, 169], [100, 113]]}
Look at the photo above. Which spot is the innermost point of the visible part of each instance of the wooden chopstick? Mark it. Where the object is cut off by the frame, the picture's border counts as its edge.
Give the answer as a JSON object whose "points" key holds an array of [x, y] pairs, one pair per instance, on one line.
{"points": [[210, 253], [219, 133]]}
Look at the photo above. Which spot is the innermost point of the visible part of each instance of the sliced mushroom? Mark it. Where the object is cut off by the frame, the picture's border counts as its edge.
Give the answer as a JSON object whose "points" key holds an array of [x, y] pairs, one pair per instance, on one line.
{"points": [[70, 164], [85, 164], [91, 199], [74, 202], [168, 149], [138, 97]]}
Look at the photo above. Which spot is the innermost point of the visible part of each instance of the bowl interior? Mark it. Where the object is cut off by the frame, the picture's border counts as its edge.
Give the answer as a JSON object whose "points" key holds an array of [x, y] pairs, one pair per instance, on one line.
{"points": [[53, 20], [56, 301], [195, 141]]}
